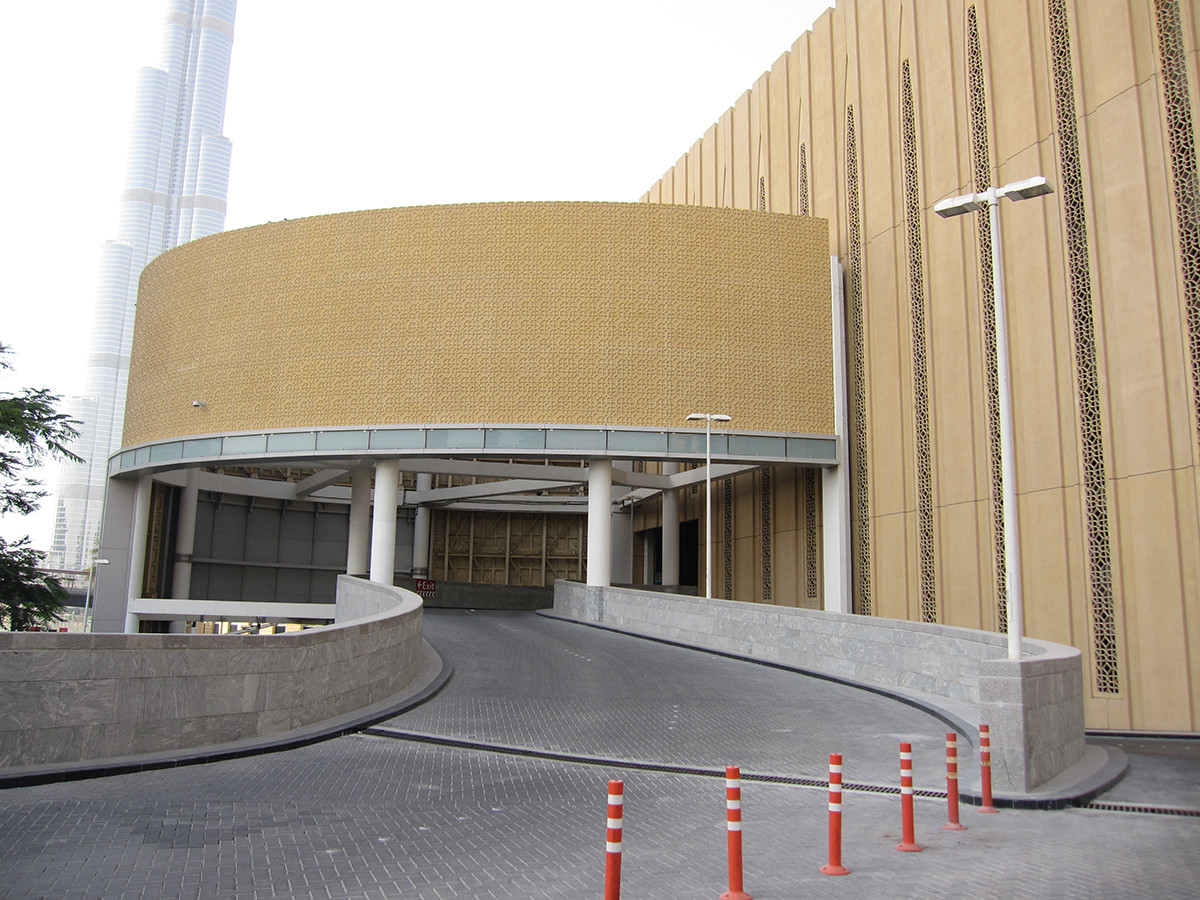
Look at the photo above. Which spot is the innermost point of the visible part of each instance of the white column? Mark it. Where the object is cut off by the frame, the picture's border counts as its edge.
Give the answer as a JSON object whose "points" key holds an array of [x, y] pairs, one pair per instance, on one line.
{"points": [[185, 536], [358, 544], [835, 481], [599, 542], [670, 530], [420, 553], [383, 522], [137, 549]]}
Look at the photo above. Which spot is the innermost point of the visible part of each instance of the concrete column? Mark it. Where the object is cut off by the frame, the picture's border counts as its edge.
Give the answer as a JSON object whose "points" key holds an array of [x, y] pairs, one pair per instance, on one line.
{"points": [[177, 626], [835, 481], [383, 522], [599, 542], [670, 530], [835, 517], [420, 553], [137, 549], [185, 536], [358, 545]]}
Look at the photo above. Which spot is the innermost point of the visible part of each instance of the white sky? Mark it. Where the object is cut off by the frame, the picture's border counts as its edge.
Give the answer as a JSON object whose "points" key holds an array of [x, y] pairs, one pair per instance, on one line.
{"points": [[361, 104]]}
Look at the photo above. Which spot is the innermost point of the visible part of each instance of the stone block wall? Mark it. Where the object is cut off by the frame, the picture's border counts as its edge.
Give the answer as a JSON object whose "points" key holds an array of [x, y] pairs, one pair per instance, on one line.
{"points": [[69, 698], [1034, 706]]}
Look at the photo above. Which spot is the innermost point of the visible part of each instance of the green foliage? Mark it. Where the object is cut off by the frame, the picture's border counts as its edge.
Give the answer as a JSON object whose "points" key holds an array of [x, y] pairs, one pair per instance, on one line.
{"points": [[28, 597], [31, 428]]}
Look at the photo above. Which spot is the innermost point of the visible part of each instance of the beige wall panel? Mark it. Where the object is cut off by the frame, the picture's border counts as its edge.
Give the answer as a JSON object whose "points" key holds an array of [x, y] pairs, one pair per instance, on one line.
{"points": [[878, 96], [961, 581], [1166, 285], [1040, 346], [781, 183], [694, 191], [611, 290], [760, 146], [1052, 575], [799, 101], [785, 569], [894, 574], [889, 415], [745, 572], [1103, 36], [742, 196], [745, 506], [826, 117], [708, 168], [1155, 621], [940, 92], [680, 172], [1138, 401], [1187, 492], [725, 173], [1018, 87], [954, 340], [656, 192]]}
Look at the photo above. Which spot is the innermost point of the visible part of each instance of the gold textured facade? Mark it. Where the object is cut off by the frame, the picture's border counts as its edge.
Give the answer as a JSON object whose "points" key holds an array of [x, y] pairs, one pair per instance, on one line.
{"points": [[888, 106], [616, 314]]}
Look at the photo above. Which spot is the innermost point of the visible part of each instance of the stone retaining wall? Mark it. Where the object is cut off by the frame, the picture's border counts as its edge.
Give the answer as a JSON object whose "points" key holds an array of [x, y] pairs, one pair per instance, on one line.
{"points": [[1034, 705], [67, 698]]}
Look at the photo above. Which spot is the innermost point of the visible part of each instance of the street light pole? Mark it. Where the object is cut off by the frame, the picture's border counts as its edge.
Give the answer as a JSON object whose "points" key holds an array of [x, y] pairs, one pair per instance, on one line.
{"points": [[708, 418], [957, 206]]}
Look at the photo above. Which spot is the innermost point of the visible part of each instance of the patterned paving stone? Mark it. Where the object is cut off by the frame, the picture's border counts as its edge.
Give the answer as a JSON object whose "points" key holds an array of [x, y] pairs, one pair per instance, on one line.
{"points": [[373, 817]]}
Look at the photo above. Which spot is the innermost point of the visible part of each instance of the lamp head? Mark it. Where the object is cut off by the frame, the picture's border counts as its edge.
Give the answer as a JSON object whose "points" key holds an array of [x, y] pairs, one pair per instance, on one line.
{"points": [[957, 206], [1027, 188]]}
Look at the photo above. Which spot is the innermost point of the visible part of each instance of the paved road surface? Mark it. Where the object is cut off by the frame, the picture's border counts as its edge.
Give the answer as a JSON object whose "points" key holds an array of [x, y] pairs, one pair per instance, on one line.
{"points": [[376, 817]]}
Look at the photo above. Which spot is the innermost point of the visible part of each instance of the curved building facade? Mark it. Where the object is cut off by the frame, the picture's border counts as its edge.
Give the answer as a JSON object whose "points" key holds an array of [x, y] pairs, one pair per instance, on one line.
{"points": [[489, 370]]}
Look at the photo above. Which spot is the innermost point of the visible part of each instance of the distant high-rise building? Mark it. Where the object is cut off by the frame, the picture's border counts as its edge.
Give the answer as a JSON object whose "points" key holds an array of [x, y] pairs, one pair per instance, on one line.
{"points": [[175, 185]]}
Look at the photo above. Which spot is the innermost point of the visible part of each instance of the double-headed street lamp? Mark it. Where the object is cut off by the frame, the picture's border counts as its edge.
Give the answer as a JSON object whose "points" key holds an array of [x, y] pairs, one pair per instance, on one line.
{"points": [[708, 418], [957, 206]]}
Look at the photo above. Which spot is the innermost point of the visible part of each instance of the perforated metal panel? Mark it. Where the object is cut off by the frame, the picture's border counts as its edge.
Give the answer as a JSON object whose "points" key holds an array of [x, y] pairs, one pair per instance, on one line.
{"points": [[926, 543], [1104, 626]]}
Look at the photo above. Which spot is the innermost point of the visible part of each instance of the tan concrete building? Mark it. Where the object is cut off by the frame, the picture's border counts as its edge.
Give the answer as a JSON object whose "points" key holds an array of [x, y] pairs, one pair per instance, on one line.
{"points": [[885, 108], [491, 362]]}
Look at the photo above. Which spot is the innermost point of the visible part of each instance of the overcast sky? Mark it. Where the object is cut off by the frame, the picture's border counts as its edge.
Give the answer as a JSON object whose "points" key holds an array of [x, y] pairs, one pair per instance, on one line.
{"points": [[361, 104]]}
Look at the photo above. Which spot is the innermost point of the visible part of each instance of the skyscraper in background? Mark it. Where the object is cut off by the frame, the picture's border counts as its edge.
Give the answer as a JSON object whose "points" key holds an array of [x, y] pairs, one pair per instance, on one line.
{"points": [[176, 179]]}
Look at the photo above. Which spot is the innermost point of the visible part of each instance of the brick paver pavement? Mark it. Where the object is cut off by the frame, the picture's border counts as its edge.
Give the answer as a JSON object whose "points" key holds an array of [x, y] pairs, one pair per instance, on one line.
{"points": [[375, 817]]}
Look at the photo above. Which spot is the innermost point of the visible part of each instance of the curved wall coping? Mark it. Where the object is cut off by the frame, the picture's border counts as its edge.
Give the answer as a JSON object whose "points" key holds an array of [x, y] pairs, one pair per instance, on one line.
{"points": [[505, 441], [70, 698], [1034, 705]]}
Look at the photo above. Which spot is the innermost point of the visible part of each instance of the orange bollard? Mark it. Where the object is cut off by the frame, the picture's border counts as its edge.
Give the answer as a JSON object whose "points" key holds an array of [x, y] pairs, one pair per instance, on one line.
{"points": [[985, 769], [952, 783], [733, 824], [834, 866], [909, 843], [612, 856]]}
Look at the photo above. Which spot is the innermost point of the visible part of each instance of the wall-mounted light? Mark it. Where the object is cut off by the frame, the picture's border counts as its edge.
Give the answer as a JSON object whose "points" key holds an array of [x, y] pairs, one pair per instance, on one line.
{"points": [[197, 403]]}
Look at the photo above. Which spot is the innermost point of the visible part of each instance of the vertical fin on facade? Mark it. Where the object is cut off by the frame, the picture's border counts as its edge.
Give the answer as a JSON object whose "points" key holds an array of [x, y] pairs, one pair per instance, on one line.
{"points": [[926, 546], [802, 183], [1185, 180], [981, 159], [812, 585], [1104, 625], [727, 537], [766, 501], [861, 533]]}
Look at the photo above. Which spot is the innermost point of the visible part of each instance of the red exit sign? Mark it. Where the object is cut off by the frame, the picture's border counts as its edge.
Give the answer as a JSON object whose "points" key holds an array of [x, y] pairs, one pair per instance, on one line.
{"points": [[426, 586]]}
